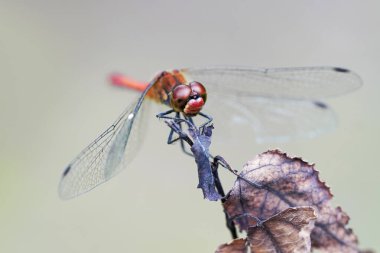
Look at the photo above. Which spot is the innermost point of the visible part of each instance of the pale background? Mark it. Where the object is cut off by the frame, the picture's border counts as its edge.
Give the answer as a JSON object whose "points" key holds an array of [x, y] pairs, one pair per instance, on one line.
{"points": [[54, 99]]}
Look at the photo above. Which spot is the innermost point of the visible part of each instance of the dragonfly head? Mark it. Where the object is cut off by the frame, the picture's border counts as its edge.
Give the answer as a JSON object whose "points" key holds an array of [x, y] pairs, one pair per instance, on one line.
{"points": [[188, 99]]}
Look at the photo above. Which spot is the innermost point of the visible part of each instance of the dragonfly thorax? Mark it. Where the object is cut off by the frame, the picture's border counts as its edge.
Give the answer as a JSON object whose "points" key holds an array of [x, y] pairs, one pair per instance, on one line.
{"points": [[188, 98]]}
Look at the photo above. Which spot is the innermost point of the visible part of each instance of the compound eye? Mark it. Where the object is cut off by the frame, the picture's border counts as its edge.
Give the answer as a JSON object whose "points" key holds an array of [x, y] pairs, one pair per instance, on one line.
{"points": [[180, 96], [199, 89]]}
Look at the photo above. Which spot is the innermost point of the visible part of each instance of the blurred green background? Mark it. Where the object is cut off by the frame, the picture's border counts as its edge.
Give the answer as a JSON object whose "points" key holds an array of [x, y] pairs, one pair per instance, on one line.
{"points": [[54, 99]]}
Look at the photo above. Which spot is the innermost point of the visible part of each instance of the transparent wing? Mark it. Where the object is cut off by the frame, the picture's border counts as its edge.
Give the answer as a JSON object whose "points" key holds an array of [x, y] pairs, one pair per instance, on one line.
{"points": [[278, 103], [106, 155], [295, 83], [270, 120]]}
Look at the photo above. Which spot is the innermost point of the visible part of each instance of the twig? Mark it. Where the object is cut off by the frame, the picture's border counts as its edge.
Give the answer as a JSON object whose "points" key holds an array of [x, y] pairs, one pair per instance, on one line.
{"points": [[214, 162]]}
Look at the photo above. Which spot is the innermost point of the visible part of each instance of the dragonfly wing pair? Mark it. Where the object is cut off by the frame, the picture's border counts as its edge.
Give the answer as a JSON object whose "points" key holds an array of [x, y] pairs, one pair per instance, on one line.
{"points": [[278, 104]]}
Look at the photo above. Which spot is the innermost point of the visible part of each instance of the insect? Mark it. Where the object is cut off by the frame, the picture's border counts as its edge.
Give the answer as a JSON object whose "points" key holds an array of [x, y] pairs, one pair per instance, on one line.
{"points": [[279, 104]]}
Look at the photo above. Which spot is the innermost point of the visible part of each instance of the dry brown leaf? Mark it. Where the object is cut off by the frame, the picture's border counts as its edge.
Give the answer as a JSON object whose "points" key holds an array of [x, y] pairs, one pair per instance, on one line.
{"points": [[287, 232], [236, 246], [330, 233], [271, 183]]}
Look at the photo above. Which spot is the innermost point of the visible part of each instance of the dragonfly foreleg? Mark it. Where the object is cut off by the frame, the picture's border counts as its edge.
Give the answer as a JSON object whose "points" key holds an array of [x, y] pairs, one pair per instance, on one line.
{"points": [[178, 120], [182, 141], [183, 147], [163, 115], [209, 120], [178, 129], [170, 138]]}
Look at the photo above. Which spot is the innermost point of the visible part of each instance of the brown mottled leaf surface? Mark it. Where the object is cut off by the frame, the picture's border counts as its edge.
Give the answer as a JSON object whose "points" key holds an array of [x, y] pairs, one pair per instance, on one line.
{"points": [[236, 246], [286, 232], [273, 182], [330, 233]]}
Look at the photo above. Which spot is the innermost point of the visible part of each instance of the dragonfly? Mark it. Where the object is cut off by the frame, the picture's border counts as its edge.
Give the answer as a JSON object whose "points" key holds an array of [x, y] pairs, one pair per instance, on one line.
{"points": [[278, 104]]}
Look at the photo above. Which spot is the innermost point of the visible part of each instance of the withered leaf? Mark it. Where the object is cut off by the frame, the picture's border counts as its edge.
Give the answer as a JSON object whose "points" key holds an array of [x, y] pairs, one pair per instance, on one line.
{"points": [[271, 183], [236, 246], [286, 232], [200, 147], [330, 233]]}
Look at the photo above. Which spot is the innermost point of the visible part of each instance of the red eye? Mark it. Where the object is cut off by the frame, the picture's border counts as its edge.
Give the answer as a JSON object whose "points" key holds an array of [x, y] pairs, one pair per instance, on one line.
{"points": [[180, 96], [199, 89]]}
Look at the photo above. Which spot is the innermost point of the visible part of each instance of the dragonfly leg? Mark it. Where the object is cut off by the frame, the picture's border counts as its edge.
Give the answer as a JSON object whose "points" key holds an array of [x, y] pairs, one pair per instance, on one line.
{"points": [[190, 119], [163, 115], [181, 140], [183, 147], [170, 138], [209, 120], [177, 118]]}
